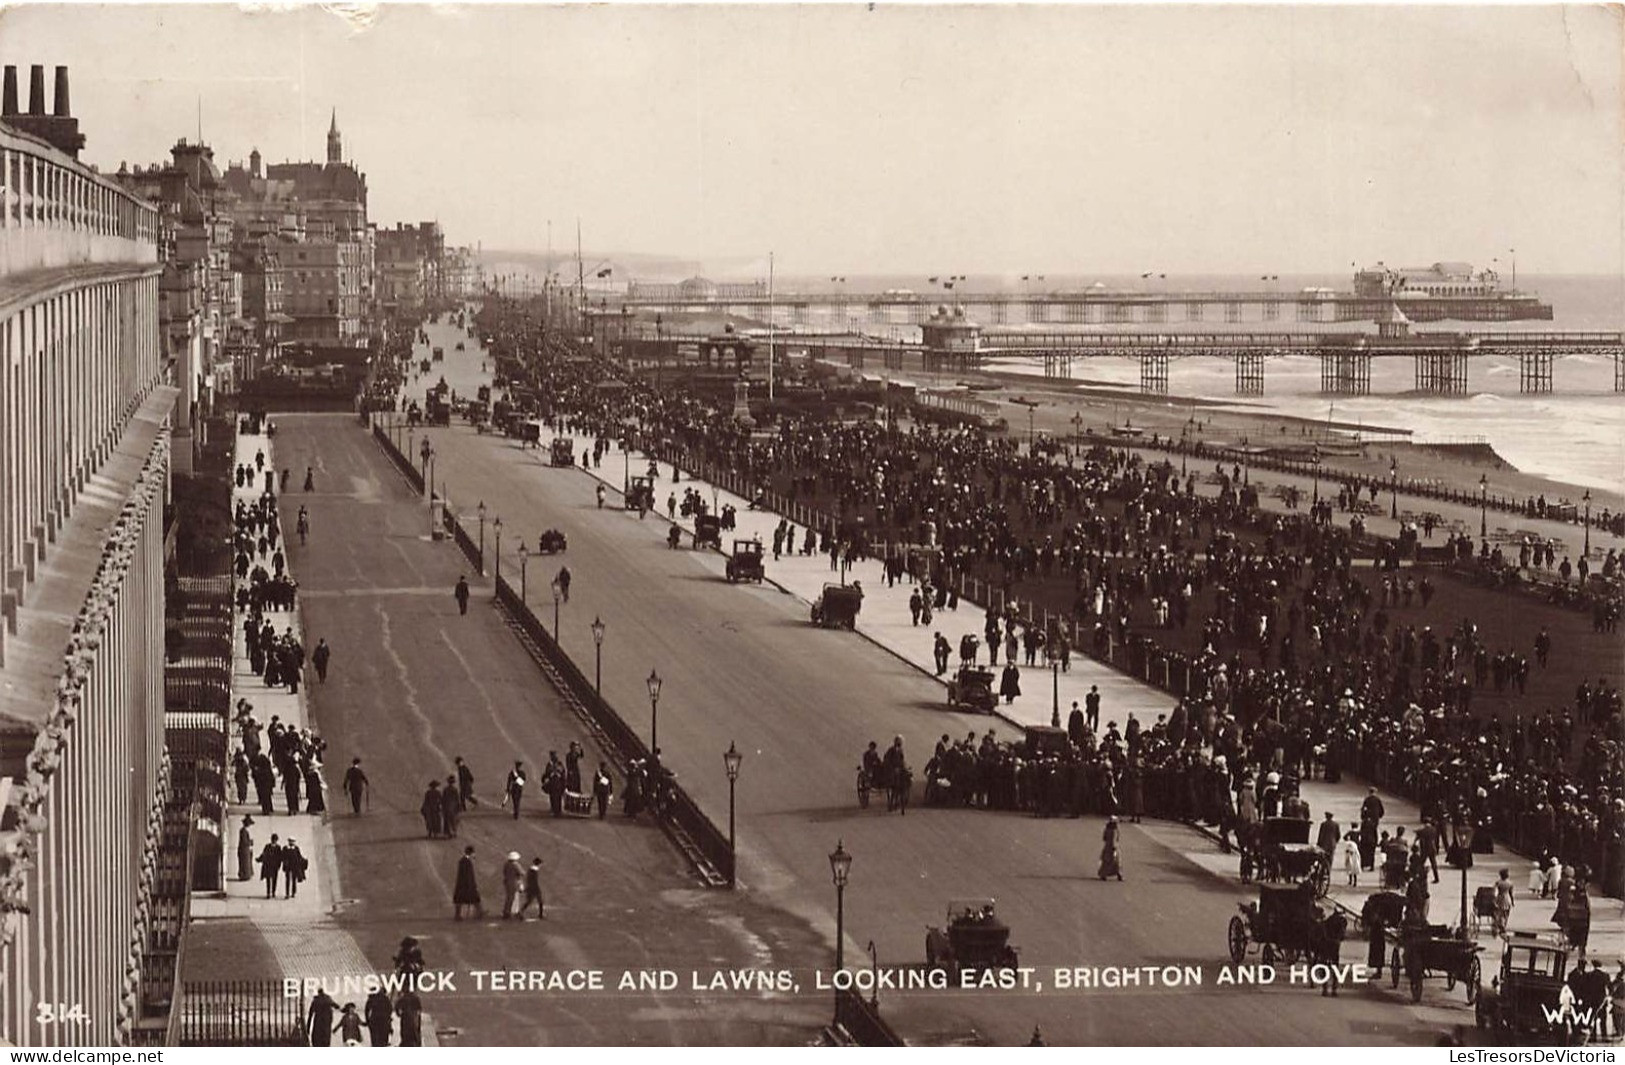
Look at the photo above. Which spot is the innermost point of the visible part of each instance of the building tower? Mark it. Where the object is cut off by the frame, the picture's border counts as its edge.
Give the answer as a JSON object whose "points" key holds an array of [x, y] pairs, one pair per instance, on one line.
{"points": [[335, 143]]}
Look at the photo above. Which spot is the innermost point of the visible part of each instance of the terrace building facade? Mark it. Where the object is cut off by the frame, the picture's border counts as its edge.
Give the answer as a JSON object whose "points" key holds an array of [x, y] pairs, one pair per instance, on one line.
{"points": [[85, 407]]}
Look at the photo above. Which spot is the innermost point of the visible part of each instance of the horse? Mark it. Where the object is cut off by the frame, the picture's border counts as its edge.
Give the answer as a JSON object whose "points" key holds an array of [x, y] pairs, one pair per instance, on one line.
{"points": [[901, 784]]}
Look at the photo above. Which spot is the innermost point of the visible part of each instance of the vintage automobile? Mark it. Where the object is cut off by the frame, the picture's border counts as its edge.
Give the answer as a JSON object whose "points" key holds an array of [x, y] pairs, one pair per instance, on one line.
{"points": [[640, 494], [745, 564], [438, 411], [530, 433], [439, 354], [551, 542], [1422, 949], [708, 531], [837, 606], [972, 938], [1523, 1000], [563, 452], [972, 687], [1282, 923]]}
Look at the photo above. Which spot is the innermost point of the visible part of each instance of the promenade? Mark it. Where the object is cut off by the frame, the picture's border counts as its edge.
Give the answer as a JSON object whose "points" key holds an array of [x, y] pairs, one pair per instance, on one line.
{"points": [[743, 663], [241, 933]]}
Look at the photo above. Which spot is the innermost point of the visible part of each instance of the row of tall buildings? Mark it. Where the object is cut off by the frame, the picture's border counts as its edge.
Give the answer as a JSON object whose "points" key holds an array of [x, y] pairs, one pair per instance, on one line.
{"points": [[264, 257], [126, 301]]}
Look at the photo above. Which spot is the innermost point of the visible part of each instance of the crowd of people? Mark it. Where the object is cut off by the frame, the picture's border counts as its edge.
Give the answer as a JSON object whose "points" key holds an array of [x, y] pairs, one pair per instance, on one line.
{"points": [[1296, 645]]}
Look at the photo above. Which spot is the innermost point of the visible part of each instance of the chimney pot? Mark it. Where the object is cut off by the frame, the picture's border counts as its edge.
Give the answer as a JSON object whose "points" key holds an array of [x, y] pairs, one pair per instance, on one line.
{"points": [[9, 106], [36, 89], [62, 110]]}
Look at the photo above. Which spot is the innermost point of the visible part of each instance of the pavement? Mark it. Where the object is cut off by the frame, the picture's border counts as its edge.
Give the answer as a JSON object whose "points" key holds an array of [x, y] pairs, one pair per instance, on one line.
{"points": [[743, 664], [241, 933]]}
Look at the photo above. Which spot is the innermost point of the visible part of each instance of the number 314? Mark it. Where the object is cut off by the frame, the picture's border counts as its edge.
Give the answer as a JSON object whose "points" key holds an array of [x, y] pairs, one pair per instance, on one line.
{"points": [[59, 1013]]}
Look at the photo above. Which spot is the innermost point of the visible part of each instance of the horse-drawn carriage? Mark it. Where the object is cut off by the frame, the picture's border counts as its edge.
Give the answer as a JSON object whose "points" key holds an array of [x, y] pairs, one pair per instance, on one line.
{"points": [[1524, 999], [1421, 950], [837, 606], [708, 531], [1278, 848], [552, 542], [972, 687], [563, 452], [972, 938], [1285, 924], [745, 564]]}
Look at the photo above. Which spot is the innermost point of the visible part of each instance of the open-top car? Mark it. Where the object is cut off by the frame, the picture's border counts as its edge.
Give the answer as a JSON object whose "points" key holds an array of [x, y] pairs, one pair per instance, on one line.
{"points": [[745, 564], [972, 937], [837, 606]]}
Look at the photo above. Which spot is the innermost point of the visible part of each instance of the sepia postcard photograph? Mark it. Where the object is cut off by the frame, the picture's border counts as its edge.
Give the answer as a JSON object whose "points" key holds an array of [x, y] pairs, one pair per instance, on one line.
{"points": [[1055, 525]]}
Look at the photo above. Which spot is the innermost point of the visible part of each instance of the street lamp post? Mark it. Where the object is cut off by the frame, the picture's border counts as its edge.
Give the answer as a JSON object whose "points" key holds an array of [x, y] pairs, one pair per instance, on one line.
{"points": [[840, 865], [1484, 508], [731, 758], [558, 596], [496, 527], [598, 655], [1055, 688], [1077, 429], [425, 451], [481, 510], [654, 683], [1586, 499], [1315, 461], [1393, 483]]}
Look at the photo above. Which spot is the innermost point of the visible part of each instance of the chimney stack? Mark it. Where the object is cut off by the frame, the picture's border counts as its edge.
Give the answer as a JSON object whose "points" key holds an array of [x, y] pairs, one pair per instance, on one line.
{"points": [[36, 89], [57, 126]]}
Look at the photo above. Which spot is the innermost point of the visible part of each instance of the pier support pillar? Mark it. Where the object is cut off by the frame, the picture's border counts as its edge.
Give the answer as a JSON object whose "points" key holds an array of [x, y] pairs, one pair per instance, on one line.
{"points": [[1443, 373], [1154, 373], [1535, 373], [1057, 364], [1345, 373], [1001, 312], [1619, 372], [893, 358], [1250, 374]]}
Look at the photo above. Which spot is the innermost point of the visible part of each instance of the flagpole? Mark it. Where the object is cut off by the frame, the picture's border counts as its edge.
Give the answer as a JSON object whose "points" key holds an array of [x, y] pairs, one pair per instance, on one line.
{"points": [[770, 327]]}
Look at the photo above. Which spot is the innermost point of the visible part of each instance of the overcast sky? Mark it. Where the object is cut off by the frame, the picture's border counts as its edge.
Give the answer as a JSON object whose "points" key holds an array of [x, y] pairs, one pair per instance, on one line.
{"points": [[907, 139]]}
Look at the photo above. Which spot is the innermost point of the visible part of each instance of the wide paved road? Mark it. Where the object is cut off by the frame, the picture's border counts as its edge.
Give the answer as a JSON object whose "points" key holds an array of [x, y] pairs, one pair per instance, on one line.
{"points": [[412, 685], [741, 664]]}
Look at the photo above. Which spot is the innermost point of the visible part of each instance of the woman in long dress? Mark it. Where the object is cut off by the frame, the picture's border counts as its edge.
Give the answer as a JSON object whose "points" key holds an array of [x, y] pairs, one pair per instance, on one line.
{"points": [[466, 892], [245, 851], [1111, 858]]}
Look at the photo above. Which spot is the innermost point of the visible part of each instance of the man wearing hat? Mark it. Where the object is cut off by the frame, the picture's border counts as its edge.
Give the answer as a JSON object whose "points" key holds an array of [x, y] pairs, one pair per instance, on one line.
{"points": [[513, 877]]}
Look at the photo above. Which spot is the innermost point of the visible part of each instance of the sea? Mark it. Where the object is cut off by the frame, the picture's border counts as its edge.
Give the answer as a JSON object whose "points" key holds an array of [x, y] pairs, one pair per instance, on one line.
{"points": [[1575, 435]]}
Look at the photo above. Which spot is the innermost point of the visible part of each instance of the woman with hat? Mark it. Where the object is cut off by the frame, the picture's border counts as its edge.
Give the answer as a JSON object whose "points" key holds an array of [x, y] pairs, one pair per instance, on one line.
{"points": [[1111, 863], [513, 878]]}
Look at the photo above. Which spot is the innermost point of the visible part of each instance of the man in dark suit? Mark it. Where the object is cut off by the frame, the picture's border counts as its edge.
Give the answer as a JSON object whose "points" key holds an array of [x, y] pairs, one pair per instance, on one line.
{"points": [[271, 866]]}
